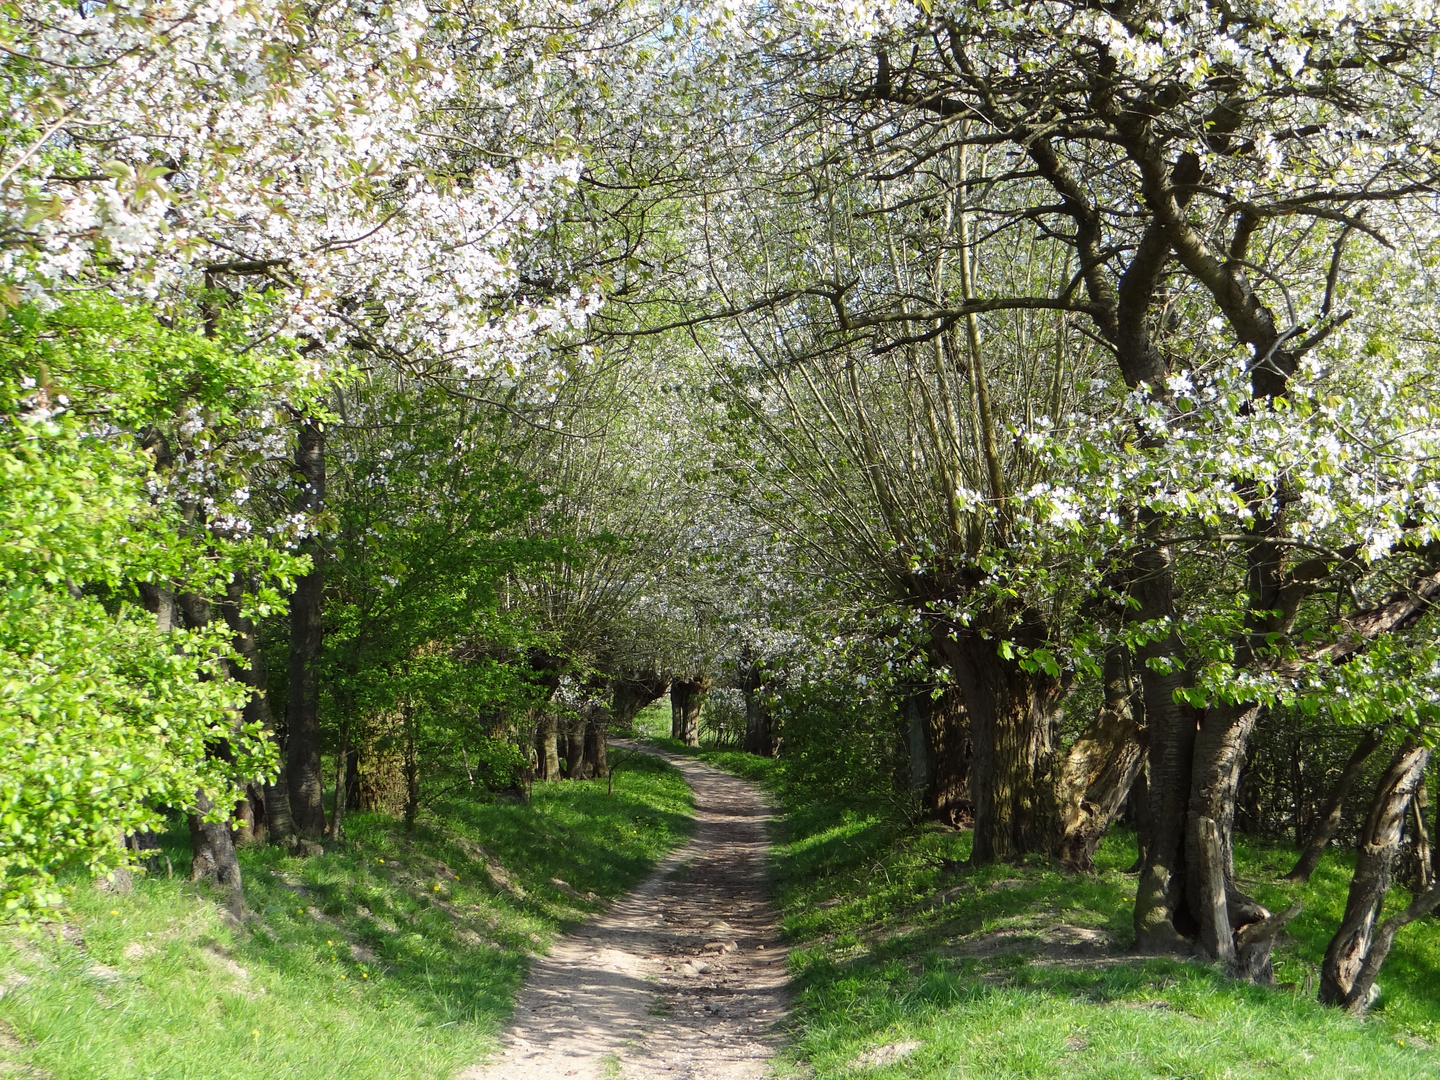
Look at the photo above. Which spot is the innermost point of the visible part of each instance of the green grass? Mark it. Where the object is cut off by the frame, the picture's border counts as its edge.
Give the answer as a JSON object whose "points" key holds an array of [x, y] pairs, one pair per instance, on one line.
{"points": [[397, 955], [1018, 971]]}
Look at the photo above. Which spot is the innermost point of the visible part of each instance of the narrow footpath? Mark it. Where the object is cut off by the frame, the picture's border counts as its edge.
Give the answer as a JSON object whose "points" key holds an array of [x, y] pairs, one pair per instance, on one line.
{"points": [[682, 978]]}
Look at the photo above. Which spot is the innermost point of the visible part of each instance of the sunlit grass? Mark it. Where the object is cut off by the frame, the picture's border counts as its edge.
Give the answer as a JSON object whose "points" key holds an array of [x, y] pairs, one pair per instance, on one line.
{"points": [[395, 956], [1024, 971]]}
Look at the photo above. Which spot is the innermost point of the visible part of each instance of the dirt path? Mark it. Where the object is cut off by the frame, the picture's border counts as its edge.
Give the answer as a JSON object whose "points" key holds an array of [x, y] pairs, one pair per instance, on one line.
{"points": [[684, 977]]}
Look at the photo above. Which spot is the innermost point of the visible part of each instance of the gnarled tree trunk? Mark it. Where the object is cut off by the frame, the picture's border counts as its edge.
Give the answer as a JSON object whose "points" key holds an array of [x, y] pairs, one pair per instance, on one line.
{"points": [[1225, 915], [1348, 971], [213, 857], [1329, 822], [1012, 714], [1100, 768], [302, 709]]}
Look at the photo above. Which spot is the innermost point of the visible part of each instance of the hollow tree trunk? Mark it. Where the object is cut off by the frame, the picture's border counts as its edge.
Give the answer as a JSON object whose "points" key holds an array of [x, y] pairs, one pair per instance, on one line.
{"points": [[687, 698], [1100, 768], [302, 709], [1329, 823], [1013, 714], [1341, 981]]}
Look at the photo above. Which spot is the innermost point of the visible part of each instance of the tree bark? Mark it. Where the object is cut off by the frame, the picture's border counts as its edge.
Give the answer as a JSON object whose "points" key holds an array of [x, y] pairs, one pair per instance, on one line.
{"points": [[302, 709], [1348, 961], [1012, 714], [412, 770], [759, 724], [1329, 822], [213, 857], [547, 750], [342, 761], [596, 741], [1100, 768], [687, 698], [576, 766], [1162, 918], [1219, 907]]}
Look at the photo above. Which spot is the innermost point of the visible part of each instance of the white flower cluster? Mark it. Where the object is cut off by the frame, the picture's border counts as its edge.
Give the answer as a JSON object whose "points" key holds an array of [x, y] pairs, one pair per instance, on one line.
{"points": [[289, 145]]}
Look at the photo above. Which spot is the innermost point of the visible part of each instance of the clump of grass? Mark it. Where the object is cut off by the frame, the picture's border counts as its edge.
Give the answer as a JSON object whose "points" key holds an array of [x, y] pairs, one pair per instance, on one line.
{"points": [[1022, 970], [394, 955]]}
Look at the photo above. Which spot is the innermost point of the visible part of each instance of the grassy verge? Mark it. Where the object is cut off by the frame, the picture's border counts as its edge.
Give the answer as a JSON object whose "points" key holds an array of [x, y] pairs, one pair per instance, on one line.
{"points": [[907, 964], [393, 956]]}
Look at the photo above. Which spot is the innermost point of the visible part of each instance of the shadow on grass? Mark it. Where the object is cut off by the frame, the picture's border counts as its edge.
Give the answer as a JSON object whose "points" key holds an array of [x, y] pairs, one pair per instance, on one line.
{"points": [[394, 955]]}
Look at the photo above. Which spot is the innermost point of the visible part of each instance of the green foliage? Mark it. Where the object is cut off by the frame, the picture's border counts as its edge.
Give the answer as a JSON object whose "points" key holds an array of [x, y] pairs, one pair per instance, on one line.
{"points": [[837, 747], [396, 955], [105, 717]]}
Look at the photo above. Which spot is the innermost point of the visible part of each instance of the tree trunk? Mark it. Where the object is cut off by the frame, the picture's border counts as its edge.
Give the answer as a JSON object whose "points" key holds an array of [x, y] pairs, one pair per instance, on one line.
{"points": [[159, 600], [214, 855], [948, 752], [1137, 812], [352, 779], [576, 767], [631, 693], [1012, 716], [279, 826], [1424, 867], [687, 698], [244, 821], [596, 736], [547, 750], [1329, 822], [1341, 981], [302, 709], [412, 771], [1220, 909], [1100, 768], [342, 760], [1162, 919]]}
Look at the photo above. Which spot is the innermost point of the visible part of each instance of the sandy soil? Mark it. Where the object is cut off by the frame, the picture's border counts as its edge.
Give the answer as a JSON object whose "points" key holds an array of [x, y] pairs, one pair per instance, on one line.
{"points": [[684, 977]]}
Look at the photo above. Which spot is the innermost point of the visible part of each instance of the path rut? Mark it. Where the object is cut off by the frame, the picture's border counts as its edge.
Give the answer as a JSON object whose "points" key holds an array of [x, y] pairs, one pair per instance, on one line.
{"points": [[684, 977]]}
